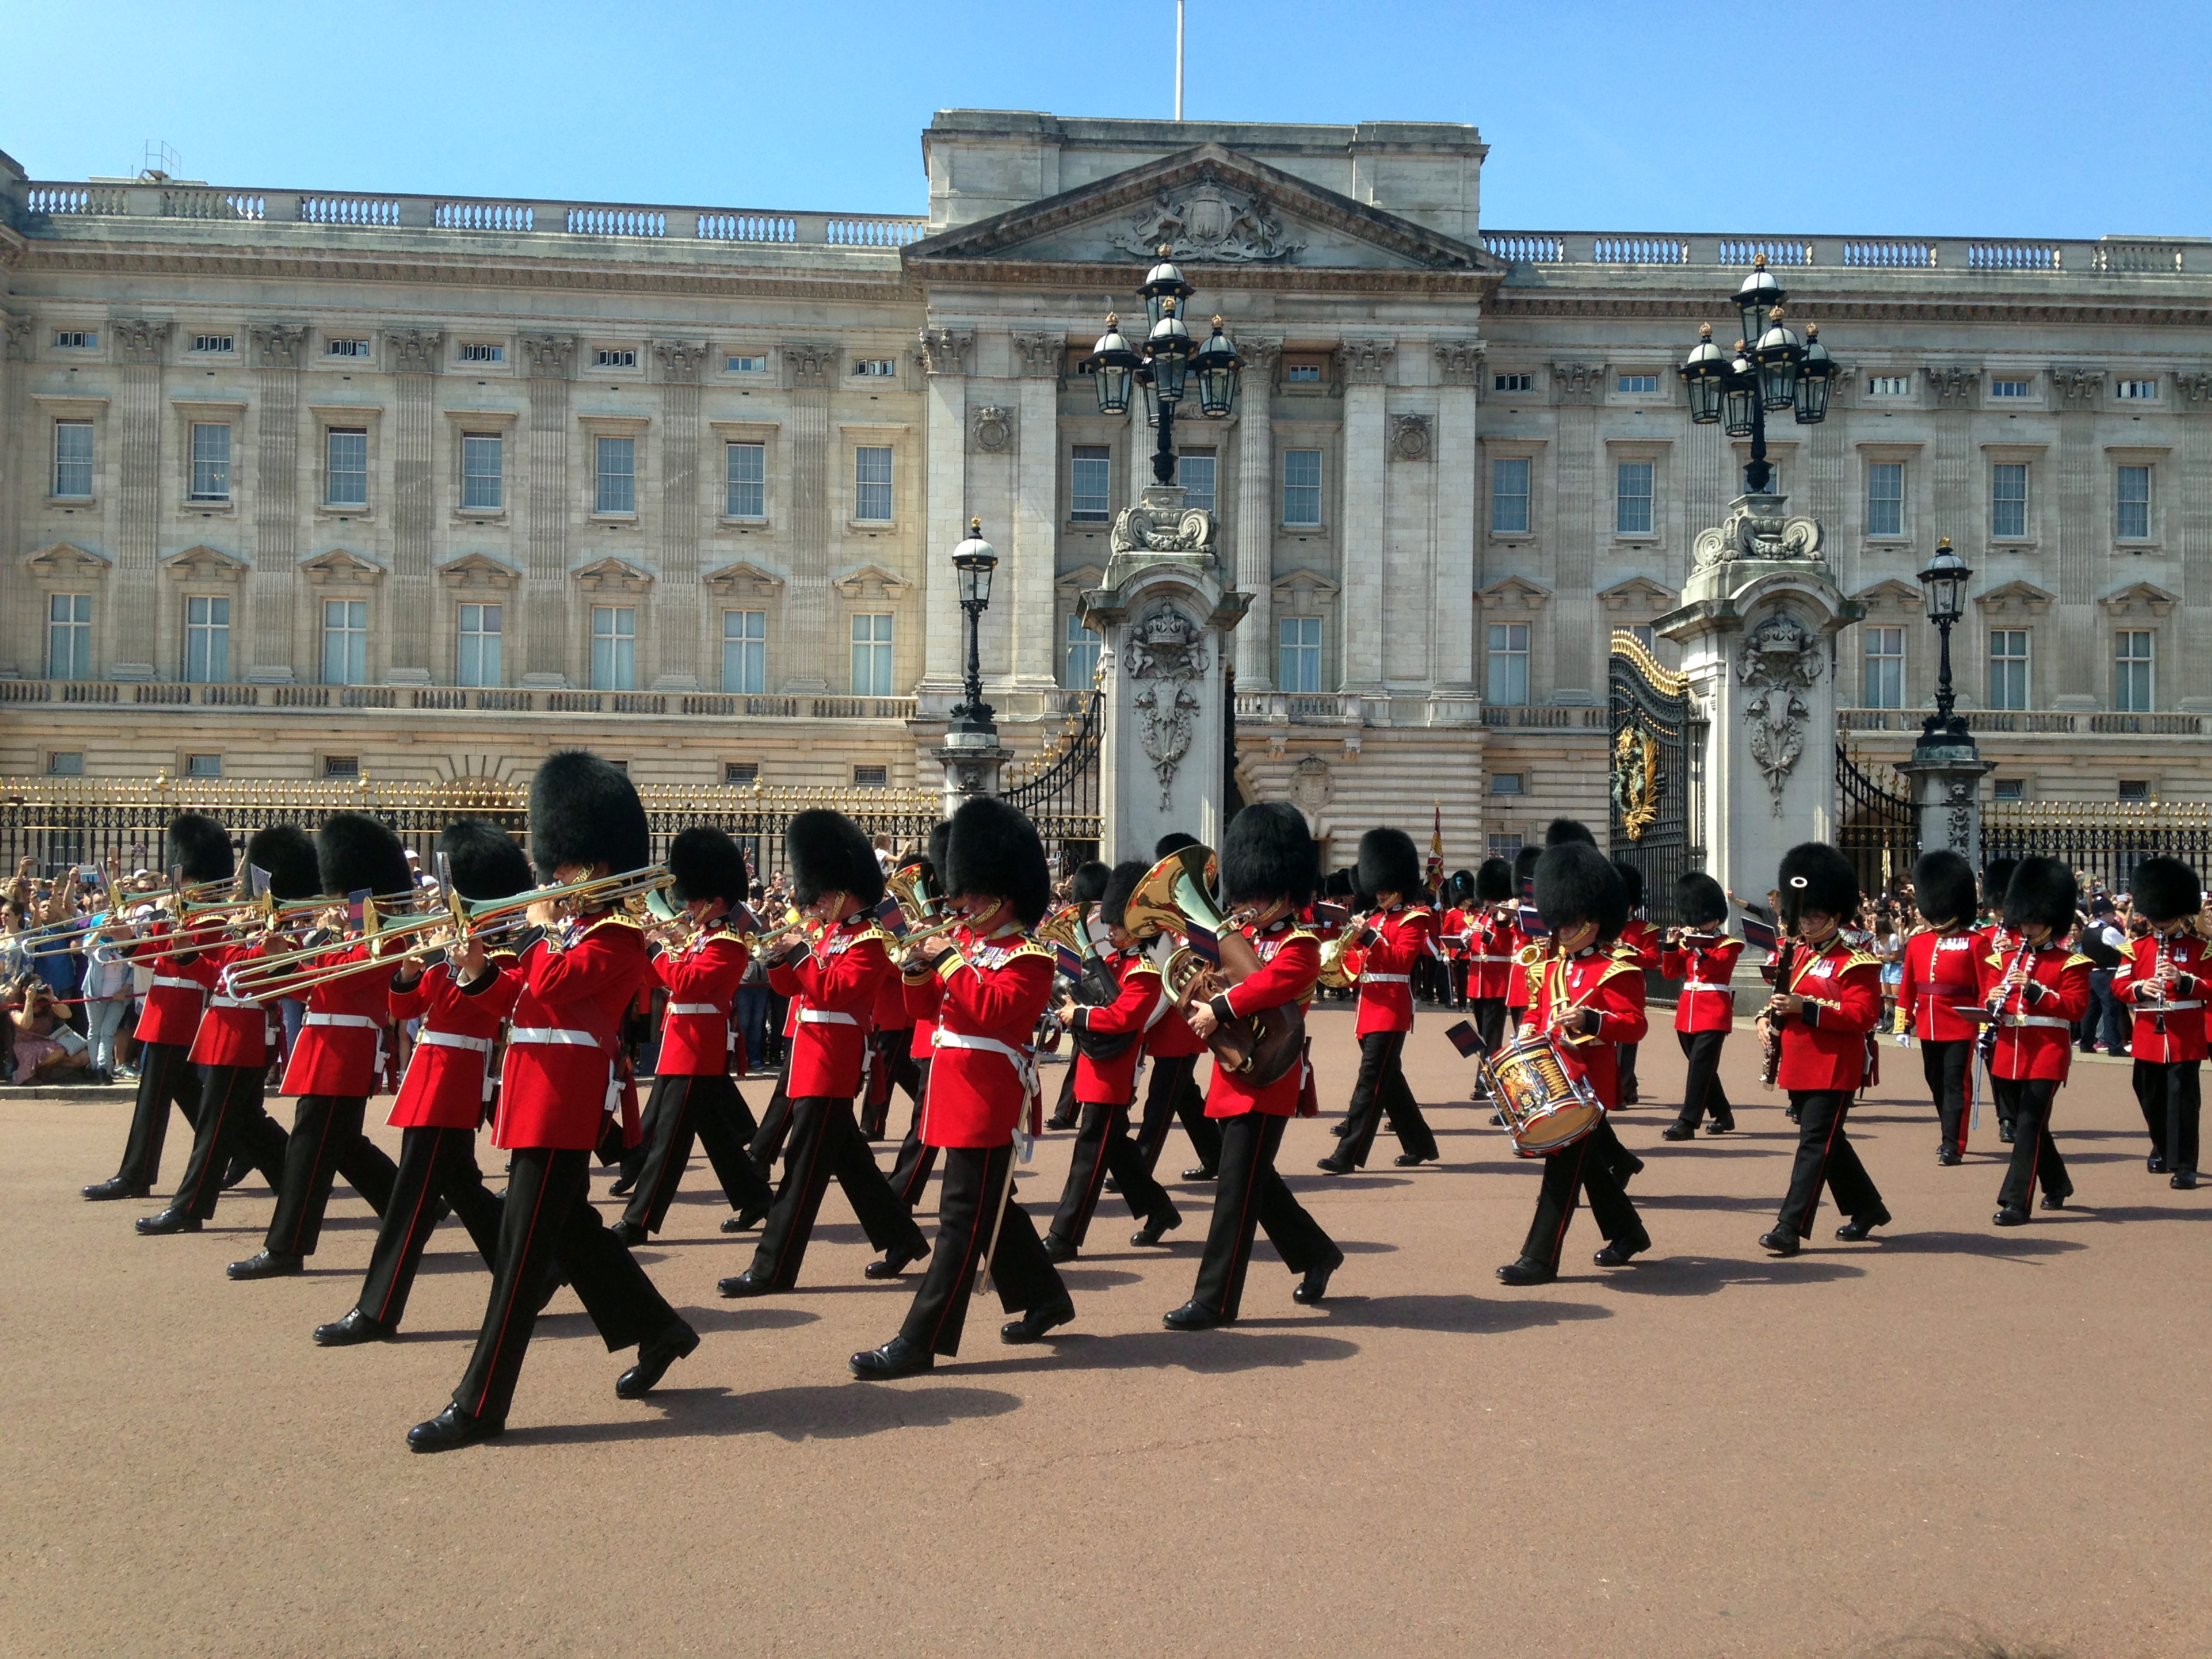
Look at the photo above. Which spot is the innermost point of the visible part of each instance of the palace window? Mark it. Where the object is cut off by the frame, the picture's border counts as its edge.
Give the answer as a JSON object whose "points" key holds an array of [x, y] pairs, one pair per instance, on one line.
{"points": [[871, 777], [345, 348], [1646, 636], [345, 474], [872, 655], [2008, 389], [616, 469], [1885, 668], [1508, 497], [483, 352], [341, 766], [73, 459], [2131, 504], [207, 638], [740, 774], [2008, 501], [1079, 659], [483, 470], [68, 636], [2138, 392], [65, 763], [1504, 847], [1506, 783], [2134, 790], [1302, 374], [871, 485], [613, 648], [615, 357], [1199, 474], [1090, 484], [875, 369], [744, 651], [2007, 668], [1637, 384], [1298, 654], [747, 477], [1302, 488], [77, 339], [210, 461], [1507, 679], [1631, 514], [746, 363], [2132, 664], [203, 766], [1524, 381], [1886, 498], [481, 637], [345, 642], [1889, 385], [214, 344], [2010, 788]]}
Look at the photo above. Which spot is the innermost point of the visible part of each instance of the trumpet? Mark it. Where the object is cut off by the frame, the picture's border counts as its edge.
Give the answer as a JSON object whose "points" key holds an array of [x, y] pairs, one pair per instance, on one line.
{"points": [[591, 893], [941, 925], [1333, 973], [440, 933]]}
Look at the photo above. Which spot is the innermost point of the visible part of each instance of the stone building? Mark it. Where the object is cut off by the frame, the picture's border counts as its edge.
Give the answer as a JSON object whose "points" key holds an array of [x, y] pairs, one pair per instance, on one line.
{"points": [[296, 485]]}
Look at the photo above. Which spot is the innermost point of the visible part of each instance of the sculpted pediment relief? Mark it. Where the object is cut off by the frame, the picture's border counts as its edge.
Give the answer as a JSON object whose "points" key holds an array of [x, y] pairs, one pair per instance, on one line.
{"points": [[613, 575], [341, 567], [870, 582]]}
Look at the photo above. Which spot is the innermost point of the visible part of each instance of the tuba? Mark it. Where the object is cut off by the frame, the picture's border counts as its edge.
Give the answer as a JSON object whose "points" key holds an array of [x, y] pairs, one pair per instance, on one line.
{"points": [[1176, 896]]}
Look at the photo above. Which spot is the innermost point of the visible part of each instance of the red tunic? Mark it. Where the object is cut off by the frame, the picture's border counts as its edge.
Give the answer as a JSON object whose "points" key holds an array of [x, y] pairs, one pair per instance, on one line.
{"points": [[921, 996], [1706, 1003], [2035, 1022], [1825, 1046], [2168, 1026], [993, 991], [1940, 975], [1402, 934], [449, 1077], [1169, 1036], [1114, 1081], [890, 1012], [1520, 981], [341, 1045], [695, 1036], [556, 1084], [1592, 982], [178, 995], [1493, 944], [1641, 941], [832, 987], [1290, 963], [235, 1031]]}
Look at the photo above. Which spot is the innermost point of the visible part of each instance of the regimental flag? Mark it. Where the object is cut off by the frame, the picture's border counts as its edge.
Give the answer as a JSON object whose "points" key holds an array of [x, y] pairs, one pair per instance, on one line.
{"points": [[893, 918], [358, 907], [1758, 935], [1437, 854]]}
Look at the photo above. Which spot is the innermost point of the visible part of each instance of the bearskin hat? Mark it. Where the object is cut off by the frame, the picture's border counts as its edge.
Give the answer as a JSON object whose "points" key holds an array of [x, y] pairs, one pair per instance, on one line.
{"points": [[483, 860], [994, 849], [1559, 831], [1943, 888], [1339, 884], [1121, 882], [2041, 891], [1701, 899], [1268, 854], [1575, 884], [355, 853], [287, 853], [829, 853], [2165, 889], [1631, 879], [1461, 887], [1088, 884], [1814, 876], [583, 811], [1174, 842], [1493, 882], [1388, 864], [1995, 879], [708, 865], [201, 847]]}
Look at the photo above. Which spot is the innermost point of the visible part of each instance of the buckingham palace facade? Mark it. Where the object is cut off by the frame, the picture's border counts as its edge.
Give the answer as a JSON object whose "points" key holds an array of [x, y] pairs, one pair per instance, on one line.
{"points": [[299, 484]]}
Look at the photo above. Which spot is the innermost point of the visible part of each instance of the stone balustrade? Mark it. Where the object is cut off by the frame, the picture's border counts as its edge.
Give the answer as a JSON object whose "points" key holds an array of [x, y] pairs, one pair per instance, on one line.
{"points": [[447, 699], [2032, 722], [2106, 256]]}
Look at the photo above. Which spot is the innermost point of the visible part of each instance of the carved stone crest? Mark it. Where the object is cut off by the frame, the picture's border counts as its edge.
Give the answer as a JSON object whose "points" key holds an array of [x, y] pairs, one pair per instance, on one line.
{"points": [[1756, 528], [1778, 659], [1158, 530], [1409, 437], [1311, 787], [995, 427], [1208, 224], [1165, 656]]}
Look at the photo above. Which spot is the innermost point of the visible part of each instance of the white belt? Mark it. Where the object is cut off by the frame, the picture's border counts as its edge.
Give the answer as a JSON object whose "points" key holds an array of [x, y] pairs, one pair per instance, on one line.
{"points": [[1386, 979], [171, 983], [2165, 1007], [554, 1035], [1490, 958], [220, 1000], [455, 1040], [1024, 1061], [824, 1017], [1703, 985], [2038, 1019], [357, 1022], [697, 1008]]}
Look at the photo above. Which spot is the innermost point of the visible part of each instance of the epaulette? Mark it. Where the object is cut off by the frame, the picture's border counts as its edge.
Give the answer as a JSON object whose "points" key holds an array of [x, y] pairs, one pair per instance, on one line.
{"points": [[2077, 956], [1616, 966], [866, 933], [1624, 953], [1860, 959], [614, 920]]}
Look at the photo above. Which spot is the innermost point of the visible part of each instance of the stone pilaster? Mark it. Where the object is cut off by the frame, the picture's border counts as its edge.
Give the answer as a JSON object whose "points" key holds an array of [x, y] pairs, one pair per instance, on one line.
{"points": [[1037, 358], [1458, 452], [1583, 511], [942, 355], [410, 630], [1365, 366], [550, 360], [21, 644], [2193, 525], [278, 351], [1254, 552], [2083, 542], [676, 635], [141, 346], [807, 608]]}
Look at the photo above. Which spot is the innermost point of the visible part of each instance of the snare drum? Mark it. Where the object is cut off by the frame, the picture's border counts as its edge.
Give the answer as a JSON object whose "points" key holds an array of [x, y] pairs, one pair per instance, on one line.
{"points": [[1545, 1099]]}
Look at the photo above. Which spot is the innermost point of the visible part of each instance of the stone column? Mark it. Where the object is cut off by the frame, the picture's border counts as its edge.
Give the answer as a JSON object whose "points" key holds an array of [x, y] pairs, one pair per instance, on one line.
{"points": [[1459, 366], [550, 362], [1361, 534], [1580, 509], [1951, 471], [2191, 511], [806, 601], [942, 355], [1946, 778], [411, 630], [1255, 512], [675, 589], [2084, 541], [277, 350], [137, 651], [1034, 655], [23, 645]]}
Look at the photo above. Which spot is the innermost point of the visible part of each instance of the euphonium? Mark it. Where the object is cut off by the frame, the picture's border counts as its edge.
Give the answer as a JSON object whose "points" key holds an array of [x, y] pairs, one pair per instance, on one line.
{"points": [[1176, 896], [1334, 974]]}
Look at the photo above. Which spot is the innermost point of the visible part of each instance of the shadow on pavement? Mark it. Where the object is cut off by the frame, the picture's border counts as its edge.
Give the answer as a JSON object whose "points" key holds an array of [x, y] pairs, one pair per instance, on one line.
{"points": [[2176, 1212], [1704, 1275], [738, 1317], [2012, 1243], [1247, 1346], [834, 1411], [1743, 1205], [1464, 1315]]}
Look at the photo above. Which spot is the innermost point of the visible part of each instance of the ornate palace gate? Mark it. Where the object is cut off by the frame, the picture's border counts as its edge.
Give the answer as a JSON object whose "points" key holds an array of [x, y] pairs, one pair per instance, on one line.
{"points": [[1658, 768], [1877, 827]]}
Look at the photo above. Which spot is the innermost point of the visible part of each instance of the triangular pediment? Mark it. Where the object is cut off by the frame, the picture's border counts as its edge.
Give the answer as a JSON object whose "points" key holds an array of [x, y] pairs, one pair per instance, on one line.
{"points": [[2140, 600], [612, 575], [66, 559], [204, 563], [871, 581], [1891, 594], [2015, 597], [1637, 594], [1513, 593], [744, 581], [1219, 209], [341, 567], [478, 570]]}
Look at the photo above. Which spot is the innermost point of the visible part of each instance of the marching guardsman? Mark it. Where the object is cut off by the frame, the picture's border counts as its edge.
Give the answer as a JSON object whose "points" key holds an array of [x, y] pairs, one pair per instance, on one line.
{"points": [[994, 983], [1828, 996], [911, 1171], [2163, 980], [1703, 958], [1084, 889], [339, 1056], [1639, 947], [1267, 865], [1589, 1001], [200, 853], [1106, 1088], [443, 1097], [1941, 975], [1520, 980], [1398, 935], [232, 1048], [1455, 935], [556, 1085], [1173, 1095], [832, 974], [1493, 940], [2033, 991], [1992, 938], [693, 1095]]}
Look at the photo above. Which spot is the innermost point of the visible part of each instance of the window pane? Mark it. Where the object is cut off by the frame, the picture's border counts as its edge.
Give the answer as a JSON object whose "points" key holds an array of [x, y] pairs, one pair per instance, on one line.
{"points": [[1199, 474], [2008, 501], [748, 479], [207, 639], [73, 459], [2133, 503], [872, 656], [1298, 654], [345, 477], [480, 471], [1508, 497], [2131, 671], [1090, 484], [1509, 664], [613, 648], [68, 636], [744, 651], [617, 476], [1632, 499], [1885, 668], [872, 485], [1302, 486], [480, 642], [2008, 668], [1080, 668], [345, 642], [1886, 498], [211, 463]]}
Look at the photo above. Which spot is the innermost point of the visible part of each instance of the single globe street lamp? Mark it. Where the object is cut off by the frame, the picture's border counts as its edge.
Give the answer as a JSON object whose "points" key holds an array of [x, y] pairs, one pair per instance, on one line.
{"points": [[974, 560]]}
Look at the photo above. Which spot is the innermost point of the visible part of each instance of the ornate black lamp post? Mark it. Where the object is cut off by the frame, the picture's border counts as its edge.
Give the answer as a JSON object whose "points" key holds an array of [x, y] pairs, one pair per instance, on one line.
{"points": [[1771, 369], [1166, 368], [1944, 581], [974, 559]]}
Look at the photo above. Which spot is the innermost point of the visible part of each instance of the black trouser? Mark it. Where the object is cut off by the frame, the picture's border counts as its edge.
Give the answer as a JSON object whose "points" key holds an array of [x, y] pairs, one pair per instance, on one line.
{"points": [[164, 1075], [775, 1124], [1585, 1166], [1825, 1157], [1382, 1090], [892, 1063], [2168, 1093], [231, 1120], [325, 1142], [1702, 1093], [826, 1141], [1489, 1022], [910, 1173], [1947, 1065], [434, 1163], [1064, 1109], [1174, 1093], [1460, 971], [1625, 1072], [2036, 1160], [710, 1108], [967, 1210], [1102, 1144], [1248, 1194], [548, 1215]]}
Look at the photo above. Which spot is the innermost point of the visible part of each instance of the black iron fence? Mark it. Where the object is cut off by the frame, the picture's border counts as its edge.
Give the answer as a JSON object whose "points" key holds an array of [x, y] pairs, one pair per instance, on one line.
{"points": [[1877, 827], [2100, 839]]}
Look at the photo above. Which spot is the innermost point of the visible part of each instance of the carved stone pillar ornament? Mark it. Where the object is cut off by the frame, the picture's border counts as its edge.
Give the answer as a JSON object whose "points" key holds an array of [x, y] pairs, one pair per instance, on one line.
{"points": [[415, 355], [141, 345], [1951, 383], [1458, 363], [550, 360], [1042, 355], [945, 350], [1577, 383], [1409, 437]]}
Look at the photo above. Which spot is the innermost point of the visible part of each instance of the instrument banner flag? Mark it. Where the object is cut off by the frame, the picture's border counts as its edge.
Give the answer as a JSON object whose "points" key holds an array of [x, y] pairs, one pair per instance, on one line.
{"points": [[1464, 1037]]}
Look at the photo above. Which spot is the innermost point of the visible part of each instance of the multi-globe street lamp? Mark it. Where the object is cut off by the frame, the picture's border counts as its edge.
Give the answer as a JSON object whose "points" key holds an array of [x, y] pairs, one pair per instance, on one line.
{"points": [[1769, 369], [1168, 367]]}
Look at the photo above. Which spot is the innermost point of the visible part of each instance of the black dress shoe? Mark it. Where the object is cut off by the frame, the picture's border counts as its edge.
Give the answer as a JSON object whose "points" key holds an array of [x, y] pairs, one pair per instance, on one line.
{"points": [[1948, 1157], [654, 1356], [174, 1219], [1679, 1132], [2056, 1200], [1412, 1160], [235, 1171], [355, 1327], [1059, 1121], [897, 1357], [1314, 1286], [2010, 1216], [1057, 1248], [1796, 1113], [1032, 1325], [1201, 1172], [1497, 1119], [894, 1262], [745, 1220], [266, 1264], [1860, 1226], [114, 1186], [629, 1234], [450, 1429], [1191, 1316], [1336, 1165], [1622, 1251], [1341, 1128], [1720, 1126], [1110, 1185], [748, 1283], [1526, 1272], [1781, 1242], [2155, 1163], [2184, 1181], [1628, 1171], [2004, 1134], [1165, 1219]]}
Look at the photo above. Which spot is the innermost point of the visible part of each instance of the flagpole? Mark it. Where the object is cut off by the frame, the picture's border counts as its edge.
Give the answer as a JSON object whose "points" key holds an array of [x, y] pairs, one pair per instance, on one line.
{"points": [[1179, 5]]}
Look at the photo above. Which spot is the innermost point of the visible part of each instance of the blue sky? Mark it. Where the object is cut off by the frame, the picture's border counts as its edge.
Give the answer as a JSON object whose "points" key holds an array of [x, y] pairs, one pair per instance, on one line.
{"points": [[1946, 116]]}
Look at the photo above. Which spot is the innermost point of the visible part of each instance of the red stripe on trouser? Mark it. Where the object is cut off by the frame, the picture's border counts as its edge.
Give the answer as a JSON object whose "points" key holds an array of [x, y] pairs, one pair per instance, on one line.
{"points": [[215, 1141], [812, 1162], [515, 1289], [421, 1203], [1095, 1185], [321, 1146], [1238, 1248], [966, 1256], [1821, 1180], [1574, 1200], [671, 1166]]}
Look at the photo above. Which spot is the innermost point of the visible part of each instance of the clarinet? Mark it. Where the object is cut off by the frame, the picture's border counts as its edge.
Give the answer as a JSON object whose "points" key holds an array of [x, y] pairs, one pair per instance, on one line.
{"points": [[1986, 1044], [1785, 961], [2165, 958]]}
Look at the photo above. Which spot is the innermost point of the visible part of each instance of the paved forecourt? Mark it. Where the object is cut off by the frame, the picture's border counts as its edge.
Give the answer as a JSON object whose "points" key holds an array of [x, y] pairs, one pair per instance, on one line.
{"points": [[1708, 1453]]}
